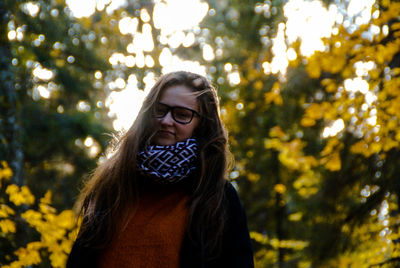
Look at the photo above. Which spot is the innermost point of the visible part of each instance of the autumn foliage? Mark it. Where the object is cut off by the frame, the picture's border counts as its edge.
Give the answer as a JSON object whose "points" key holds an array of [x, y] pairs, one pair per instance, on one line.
{"points": [[316, 143], [56, 231]]}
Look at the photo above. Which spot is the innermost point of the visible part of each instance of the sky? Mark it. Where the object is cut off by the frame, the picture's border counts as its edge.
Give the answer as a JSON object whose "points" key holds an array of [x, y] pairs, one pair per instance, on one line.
{"points": [[308, 20]]}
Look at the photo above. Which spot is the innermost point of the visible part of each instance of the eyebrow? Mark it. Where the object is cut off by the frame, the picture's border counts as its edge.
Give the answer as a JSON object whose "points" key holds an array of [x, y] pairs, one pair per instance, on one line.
{"points": [[178, 106]]}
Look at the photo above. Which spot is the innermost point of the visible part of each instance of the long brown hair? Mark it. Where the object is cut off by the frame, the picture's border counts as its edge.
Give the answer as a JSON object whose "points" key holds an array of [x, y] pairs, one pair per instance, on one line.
{"points": [[112, 187]]}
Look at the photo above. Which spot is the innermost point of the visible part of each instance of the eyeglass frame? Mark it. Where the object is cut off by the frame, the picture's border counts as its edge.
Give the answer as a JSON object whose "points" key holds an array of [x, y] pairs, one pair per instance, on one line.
{"points": [[171, 109]]}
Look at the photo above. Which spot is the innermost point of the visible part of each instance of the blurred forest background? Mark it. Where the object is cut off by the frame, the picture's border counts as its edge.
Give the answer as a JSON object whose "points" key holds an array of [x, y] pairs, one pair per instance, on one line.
{"points": [[310, 92]]}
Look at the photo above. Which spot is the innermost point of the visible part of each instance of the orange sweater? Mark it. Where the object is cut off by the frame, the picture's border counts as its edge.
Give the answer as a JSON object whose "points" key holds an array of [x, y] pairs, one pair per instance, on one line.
{"points": [[154, 235]]}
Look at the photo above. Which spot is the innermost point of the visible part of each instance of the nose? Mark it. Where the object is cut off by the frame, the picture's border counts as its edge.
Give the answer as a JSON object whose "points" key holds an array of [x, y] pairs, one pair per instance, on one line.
{"points": [[167, 119]]}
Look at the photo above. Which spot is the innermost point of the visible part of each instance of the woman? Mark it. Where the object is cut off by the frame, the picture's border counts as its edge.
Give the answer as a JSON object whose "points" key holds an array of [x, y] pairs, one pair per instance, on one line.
{"points": [[161, 199]]}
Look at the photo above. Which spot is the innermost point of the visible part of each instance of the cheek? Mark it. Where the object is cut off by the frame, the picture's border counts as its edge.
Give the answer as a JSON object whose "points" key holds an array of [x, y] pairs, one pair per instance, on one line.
{"points": [[192, 129], [155, 124]]}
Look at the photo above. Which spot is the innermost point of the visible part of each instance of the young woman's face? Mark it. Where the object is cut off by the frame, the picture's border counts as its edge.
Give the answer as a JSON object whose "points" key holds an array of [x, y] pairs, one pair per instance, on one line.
{"points": [[176, 115]]}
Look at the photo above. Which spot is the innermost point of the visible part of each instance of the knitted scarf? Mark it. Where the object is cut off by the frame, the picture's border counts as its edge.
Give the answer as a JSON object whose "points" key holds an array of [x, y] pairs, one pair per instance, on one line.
{"points": [[168, 164]]}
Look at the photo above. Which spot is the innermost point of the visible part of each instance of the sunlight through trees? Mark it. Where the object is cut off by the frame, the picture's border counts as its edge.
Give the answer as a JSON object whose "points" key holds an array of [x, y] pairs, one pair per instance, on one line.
{"points": [[310, 93]]}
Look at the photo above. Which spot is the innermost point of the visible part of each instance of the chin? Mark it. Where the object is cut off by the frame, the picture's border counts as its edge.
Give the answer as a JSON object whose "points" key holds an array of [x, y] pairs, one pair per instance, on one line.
{"points": [[163, 142]]}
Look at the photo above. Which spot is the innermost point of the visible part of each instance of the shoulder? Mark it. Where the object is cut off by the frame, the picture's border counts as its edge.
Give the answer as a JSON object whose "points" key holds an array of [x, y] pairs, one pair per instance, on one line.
{"points": [[231, 196], [229, 188]]}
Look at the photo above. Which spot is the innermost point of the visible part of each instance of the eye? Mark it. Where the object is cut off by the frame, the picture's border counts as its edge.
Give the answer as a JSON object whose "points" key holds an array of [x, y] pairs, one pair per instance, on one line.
{"points": [[160, 110], [182, 113]]}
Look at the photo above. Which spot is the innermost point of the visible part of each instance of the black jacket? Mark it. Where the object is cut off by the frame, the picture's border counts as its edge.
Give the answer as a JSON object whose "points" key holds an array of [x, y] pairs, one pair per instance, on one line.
{"points": [[236, 251]]}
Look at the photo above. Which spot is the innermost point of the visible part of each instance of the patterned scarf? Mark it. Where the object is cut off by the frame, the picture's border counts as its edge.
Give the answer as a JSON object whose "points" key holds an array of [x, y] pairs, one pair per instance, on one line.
{"points": [[170, 163]]}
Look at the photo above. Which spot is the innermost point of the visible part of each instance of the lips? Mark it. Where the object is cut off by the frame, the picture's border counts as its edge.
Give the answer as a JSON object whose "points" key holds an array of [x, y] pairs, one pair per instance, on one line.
{"points": [[165, 133]]}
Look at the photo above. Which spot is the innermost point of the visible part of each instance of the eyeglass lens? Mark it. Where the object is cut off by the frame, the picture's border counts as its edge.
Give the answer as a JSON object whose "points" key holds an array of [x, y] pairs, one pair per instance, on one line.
{"points": [[179, 114]]}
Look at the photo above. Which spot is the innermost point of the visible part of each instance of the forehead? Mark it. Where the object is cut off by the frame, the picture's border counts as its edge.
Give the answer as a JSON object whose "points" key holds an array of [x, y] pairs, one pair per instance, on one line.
{"points": [[179, 95]]}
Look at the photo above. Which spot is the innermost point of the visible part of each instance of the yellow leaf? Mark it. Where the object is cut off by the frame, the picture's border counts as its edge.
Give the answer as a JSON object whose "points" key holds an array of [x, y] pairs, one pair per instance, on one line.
{"points": [[46, 208], [66, 245], [295, 216], [66, 219], [277, 132], [326, 81], [278, 100], [313, 68], [5, 172], [311, 161], [374, 73], [7, 226], [249, 153], [274, 97], [58, 259], [333, 63], [280, 188], [307, 122], [12, 189], [375, 147], [330, 145], [14, 195], [385, 3], [29, 198], [307, 192], [389, 144], [315, 111], [46, 199], [5, 211], [32, 217], [60, 63], [258, 84], [331, 87], [258, 237], [397, 137], [293, 244], [276, 87], [20, 196], [334, 163], [273, 144], [347, 72], [28, 257], [396, 71], [360, 148], [34, 245]]}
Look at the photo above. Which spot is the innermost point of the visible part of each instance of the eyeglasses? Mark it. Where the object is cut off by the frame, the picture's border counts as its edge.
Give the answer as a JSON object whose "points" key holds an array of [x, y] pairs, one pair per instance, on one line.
{"points": [[180, 114]]}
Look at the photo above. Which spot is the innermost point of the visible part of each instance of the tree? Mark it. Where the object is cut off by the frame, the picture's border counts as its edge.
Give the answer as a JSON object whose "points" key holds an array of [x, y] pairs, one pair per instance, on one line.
{"points": [[359, 92], [56, 231], [316, 141], [48, 109], [310, 175]]}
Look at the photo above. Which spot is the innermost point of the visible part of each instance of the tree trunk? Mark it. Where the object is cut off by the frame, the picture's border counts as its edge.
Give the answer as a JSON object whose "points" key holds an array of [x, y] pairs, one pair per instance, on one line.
{"points": [[279, 212], [11, 148]]}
